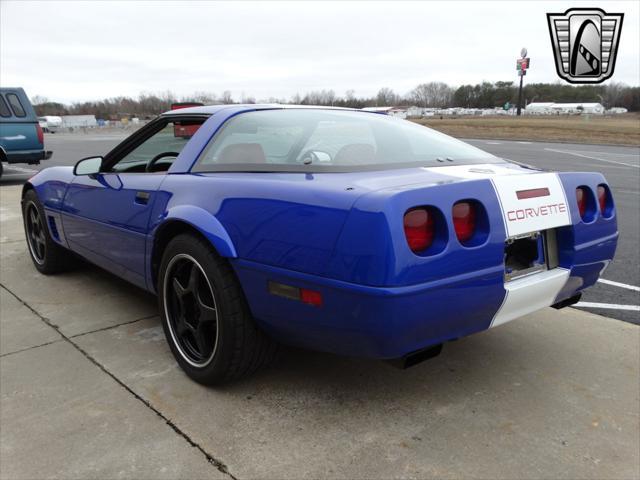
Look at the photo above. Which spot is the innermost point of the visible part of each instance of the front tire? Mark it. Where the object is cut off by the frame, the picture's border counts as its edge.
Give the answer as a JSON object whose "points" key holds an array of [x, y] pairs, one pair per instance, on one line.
{"points": [[47, 256], [205, 317]]}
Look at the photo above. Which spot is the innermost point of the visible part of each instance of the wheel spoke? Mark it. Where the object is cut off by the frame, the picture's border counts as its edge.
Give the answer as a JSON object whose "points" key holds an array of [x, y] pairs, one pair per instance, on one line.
{"points": [[178, 289], [194, 279], [207, 313], [203, 340]]}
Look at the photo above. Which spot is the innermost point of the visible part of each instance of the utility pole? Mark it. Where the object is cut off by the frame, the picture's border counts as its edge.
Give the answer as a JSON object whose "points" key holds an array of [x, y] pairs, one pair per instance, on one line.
{"points": [[522, 65], [520, 93]]}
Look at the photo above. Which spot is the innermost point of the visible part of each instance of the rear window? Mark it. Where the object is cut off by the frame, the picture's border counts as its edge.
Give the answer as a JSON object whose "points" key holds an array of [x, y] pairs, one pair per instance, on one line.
{"points": [[330, 141], [4, 109], [16, 106]]}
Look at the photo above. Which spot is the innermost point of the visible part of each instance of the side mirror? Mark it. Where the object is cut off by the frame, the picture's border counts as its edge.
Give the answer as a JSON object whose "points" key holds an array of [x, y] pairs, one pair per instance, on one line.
{"points": [[88, 166]]}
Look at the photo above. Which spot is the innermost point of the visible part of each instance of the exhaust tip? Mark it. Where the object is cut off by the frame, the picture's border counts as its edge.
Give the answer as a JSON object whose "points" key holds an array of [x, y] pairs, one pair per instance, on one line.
{"points": [[414, 358], [568, 302]]}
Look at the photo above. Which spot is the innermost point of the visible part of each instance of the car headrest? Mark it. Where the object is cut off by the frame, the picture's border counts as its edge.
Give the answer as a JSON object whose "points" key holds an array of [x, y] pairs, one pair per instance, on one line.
{"points": [[356, 153], [242, 153]]}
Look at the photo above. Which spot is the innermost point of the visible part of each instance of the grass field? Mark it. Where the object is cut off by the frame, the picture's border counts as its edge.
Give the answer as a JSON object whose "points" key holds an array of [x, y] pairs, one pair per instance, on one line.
{"points": [[619, 130]]}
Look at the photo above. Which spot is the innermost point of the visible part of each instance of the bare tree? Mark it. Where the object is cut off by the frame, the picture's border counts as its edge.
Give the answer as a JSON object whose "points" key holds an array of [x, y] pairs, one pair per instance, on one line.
{"points": [[39, 100], [387, 98], [226, 97], [432, 94], [206, 98], [613, 93]]}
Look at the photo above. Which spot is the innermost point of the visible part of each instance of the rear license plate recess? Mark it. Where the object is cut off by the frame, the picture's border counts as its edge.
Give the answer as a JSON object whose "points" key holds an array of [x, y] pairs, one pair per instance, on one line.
{"points": [[528, 254]]}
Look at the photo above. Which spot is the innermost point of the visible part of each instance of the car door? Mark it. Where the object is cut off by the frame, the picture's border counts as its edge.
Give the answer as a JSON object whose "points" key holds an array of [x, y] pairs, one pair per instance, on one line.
{"points": [[106, 215]]}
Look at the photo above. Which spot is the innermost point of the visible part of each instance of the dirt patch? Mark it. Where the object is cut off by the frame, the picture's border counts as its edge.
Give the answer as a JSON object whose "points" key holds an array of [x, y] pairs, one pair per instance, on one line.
{"points": [[619, 130]]}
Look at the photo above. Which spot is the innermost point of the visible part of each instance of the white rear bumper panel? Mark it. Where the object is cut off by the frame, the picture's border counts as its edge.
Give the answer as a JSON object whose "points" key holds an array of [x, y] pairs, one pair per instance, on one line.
{"points": [[529, 294]]}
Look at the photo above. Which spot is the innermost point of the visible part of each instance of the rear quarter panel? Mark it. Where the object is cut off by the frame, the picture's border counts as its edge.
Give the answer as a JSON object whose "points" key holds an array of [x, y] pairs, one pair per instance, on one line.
{"points": [[273, 219]]}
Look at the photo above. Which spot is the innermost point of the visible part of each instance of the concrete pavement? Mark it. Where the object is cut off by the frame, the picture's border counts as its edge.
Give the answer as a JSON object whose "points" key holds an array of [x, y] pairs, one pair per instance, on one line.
{"points": [[89, 389]]}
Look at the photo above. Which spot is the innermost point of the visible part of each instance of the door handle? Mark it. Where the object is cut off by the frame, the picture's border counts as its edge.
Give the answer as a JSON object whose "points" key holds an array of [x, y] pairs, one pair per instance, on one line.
{"points": [[142, 198]]}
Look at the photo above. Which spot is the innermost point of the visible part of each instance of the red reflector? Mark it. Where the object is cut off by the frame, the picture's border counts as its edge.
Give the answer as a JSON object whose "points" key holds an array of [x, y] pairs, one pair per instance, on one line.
{"points": [[311, 297], [40, 134], [418, 228], [533, 193], [602, 198], [464, 220], [581, 197]]}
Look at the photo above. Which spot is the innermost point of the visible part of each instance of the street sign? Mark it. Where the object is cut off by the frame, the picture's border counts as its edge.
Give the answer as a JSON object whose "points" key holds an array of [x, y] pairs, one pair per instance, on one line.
{"points": [[523, 52], [522, 64], [522, 73]]}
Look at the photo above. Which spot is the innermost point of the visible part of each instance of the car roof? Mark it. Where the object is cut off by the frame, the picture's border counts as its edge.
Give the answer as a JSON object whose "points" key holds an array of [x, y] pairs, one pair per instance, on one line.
{"points": [[211, 109]]}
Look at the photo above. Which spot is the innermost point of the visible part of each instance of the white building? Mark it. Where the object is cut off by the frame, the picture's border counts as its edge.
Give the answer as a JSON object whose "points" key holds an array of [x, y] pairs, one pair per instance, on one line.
{"points": [[399, 112], [539, 108], [550, 108], [78, 121]]}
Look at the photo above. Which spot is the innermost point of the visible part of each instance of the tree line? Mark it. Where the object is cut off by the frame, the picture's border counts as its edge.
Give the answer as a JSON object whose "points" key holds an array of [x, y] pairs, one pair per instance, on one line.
{"points": [[431, 94]]}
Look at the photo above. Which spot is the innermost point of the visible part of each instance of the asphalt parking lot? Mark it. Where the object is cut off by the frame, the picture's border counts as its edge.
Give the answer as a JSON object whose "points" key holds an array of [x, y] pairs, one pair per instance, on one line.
{"points": [[89, 388]]}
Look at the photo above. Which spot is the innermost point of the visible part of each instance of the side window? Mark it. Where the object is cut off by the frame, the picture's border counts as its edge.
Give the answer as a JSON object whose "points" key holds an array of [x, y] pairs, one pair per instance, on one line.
{"points": [[16, 106], [4, 108], [170, 140]]}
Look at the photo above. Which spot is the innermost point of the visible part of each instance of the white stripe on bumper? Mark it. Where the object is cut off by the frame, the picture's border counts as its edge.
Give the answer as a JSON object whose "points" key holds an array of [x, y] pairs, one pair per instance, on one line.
{"points": [[529, 294]]}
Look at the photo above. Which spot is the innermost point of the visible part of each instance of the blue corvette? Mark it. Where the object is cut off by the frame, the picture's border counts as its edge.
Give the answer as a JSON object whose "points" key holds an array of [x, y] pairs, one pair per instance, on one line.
{"points": [[331, 229]]}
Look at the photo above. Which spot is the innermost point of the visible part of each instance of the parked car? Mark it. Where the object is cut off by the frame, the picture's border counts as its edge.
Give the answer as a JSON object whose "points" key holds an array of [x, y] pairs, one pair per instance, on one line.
{"points": [[344, 231], [21, 137], [50, 123]]}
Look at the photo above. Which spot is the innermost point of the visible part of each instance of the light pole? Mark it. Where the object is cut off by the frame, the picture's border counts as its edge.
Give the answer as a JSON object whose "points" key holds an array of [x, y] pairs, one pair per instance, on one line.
{"points": [[521, 66]]}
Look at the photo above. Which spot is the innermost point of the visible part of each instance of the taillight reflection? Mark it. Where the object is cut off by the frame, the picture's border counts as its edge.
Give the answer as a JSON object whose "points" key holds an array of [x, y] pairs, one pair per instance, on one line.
{"points": [[581, 197], [464, 220], [419, 228], [602, 198]]}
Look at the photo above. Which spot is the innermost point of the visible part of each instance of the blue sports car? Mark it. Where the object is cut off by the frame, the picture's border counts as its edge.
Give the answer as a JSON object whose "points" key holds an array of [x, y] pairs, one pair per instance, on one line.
{"points": [[338, 230]]}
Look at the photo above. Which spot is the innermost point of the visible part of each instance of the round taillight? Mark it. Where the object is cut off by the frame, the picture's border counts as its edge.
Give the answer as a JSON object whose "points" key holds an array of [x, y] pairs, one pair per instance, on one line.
{"points": [[464, 220], [419, 228]]}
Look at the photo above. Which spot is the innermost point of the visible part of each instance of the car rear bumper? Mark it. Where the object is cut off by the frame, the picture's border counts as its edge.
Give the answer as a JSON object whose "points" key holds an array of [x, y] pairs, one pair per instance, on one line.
{"points": [[390, 322], [32, 157]]}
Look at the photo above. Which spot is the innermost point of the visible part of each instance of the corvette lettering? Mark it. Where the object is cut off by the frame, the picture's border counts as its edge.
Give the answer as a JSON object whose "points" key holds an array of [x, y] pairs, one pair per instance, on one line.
{"points": [[541, 211]]}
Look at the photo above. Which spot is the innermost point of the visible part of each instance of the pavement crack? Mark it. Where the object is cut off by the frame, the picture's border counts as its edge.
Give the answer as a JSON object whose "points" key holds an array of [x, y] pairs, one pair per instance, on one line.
{"points": [[30, 348], [210, 458], [110, 327]]}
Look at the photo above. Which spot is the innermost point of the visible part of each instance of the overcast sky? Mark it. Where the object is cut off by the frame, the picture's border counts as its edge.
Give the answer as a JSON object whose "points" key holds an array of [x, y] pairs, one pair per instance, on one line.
{"points": [[69, 51]]}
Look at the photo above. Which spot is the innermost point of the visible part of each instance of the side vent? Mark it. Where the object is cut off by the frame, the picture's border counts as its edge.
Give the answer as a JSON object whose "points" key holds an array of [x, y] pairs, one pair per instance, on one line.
{"points": [[53, 228]]}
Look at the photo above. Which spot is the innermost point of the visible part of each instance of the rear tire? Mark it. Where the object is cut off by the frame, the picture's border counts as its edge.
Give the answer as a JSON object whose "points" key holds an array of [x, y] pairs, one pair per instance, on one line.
{"points": [[47, 256], [205, 316]]}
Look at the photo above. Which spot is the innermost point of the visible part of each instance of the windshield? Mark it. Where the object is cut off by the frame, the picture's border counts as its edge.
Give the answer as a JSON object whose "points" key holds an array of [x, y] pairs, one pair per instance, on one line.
{"points": [[331, 141]]}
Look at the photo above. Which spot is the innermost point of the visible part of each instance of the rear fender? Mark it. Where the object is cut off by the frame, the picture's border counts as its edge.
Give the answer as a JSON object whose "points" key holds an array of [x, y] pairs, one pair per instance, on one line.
{"points": [[198, 219]]}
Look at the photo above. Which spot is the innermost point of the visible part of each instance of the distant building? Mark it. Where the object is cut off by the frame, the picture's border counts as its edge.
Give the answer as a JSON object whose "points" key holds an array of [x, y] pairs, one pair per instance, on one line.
{"points": [[550, 108], [400, 112], [78, 121]]}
